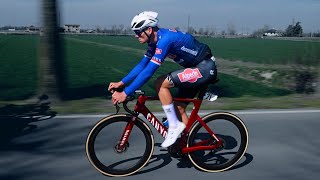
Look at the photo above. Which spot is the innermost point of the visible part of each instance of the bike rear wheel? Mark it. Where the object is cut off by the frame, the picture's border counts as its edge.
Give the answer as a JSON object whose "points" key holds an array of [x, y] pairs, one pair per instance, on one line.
{"points": [[228, 128], [103, 142]]}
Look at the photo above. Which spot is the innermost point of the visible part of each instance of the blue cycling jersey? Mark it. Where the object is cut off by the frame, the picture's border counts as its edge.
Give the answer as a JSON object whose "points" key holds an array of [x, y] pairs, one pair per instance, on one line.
{"points": [[182, 47]]}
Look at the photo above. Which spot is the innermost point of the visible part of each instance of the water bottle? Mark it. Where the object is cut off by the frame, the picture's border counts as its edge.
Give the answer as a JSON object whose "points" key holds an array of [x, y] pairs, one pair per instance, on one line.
{"points": [[165, 122]]}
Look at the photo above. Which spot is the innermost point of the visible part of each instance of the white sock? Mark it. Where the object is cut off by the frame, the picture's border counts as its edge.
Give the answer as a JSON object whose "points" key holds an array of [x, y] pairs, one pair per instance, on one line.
{"points": [[171, 115]]}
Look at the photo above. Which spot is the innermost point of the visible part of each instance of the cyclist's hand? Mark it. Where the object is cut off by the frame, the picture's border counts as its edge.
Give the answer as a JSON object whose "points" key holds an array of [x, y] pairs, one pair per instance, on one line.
{"points": [[115, 85], [118, 97]]}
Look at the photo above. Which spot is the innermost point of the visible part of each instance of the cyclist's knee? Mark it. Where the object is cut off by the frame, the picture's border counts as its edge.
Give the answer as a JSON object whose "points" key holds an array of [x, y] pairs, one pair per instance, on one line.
{"points": [[162, 82]]}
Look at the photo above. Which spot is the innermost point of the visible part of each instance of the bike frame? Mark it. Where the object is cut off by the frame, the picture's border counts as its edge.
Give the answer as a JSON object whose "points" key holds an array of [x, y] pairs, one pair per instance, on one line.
{"points": [[140, 107]]}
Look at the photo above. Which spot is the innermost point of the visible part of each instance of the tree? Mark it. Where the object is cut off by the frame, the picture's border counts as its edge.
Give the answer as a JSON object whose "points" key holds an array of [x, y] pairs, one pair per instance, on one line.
{"points": [[294, 30], [52, 80], [210, 31], [201, 31], [191, 30], [231, 29], [259, 32]]}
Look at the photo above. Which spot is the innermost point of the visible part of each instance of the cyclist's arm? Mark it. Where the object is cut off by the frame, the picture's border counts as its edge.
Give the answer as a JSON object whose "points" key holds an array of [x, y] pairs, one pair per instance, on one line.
{"points": [[142, 78], [155, 62], [136, 70]]}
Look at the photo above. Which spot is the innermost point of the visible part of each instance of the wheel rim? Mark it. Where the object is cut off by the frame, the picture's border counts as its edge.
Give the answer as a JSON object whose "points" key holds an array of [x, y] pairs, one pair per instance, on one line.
{"points": [[222, 158], [118, 167]]}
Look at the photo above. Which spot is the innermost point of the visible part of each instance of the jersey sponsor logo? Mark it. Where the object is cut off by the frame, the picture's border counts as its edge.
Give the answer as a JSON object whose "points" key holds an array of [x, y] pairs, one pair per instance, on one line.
{"points": [[156, 60], [158, 51], [190, 75], [190, 51], [172, 30]]}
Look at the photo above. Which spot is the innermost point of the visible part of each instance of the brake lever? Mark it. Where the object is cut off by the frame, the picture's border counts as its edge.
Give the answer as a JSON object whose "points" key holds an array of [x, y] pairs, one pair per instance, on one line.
{"points": [[117, 108]]}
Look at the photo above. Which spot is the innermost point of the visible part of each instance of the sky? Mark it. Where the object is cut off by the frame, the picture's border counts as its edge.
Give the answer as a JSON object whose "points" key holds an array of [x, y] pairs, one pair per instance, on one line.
{"points": [[244, 15]]}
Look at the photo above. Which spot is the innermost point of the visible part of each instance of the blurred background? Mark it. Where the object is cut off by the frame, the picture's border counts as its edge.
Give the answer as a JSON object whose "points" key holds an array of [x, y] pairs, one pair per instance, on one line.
{"points": [[268, 52]]}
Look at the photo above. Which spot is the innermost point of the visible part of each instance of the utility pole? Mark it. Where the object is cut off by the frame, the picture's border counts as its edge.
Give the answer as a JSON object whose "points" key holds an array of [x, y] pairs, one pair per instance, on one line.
{"points": [[52, 79]]}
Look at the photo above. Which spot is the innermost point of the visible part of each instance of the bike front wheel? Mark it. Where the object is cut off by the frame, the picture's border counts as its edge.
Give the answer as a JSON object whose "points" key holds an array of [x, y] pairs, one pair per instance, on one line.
{"points": [[102, 146], [233, 133]]}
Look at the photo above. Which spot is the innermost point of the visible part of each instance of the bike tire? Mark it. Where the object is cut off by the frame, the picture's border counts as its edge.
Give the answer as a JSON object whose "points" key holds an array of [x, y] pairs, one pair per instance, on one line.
{"points": [[231, 124], [117, 122]]}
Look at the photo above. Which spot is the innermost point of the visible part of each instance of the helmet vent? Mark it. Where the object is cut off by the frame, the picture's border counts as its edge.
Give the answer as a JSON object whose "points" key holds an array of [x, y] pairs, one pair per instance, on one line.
{"points": [[140, 24]]}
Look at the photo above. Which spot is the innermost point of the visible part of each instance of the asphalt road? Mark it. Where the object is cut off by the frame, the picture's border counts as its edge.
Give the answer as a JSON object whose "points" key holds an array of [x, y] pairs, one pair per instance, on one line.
{"points": [[282, 145]]}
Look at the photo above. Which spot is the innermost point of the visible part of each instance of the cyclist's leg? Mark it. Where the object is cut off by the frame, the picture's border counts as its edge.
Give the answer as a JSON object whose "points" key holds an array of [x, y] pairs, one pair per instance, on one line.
{"points": [[184, 93], [202, 74], [162, 86], [182, 111], [166, 97], [194, 77], [189, 78], [175, 126]]}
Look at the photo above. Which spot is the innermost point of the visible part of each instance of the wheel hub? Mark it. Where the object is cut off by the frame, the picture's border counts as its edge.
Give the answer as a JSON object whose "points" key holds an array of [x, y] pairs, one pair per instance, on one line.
{"points": [[124, 149]]}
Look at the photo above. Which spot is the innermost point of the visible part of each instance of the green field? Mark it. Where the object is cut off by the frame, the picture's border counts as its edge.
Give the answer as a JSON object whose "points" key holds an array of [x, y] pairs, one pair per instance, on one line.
{"points": [[18, 66], [94, 61], [266, 51], [246, 49]]}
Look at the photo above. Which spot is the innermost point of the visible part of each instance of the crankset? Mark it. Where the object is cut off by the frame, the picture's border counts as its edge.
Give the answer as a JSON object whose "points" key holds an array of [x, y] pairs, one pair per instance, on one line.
{"points": [[175, 149]]}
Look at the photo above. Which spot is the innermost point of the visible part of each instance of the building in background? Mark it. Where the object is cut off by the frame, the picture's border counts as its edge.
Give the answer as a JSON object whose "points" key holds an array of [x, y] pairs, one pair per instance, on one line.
{"points": [[272, 33], [71, 28], [33, 29]]}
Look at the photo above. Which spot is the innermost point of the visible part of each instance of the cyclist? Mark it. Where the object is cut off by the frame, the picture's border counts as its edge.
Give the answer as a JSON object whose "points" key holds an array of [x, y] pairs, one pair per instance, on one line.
{"points": [[196, 59]]}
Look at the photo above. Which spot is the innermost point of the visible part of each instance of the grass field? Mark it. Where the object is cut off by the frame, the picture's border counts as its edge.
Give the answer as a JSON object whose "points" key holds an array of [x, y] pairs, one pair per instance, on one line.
{"points": [[18, 66], [247, 49], [94, 61], [266, 51]]}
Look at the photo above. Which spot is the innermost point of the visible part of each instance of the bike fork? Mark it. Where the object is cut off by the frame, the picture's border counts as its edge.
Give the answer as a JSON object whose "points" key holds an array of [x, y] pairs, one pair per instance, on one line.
{"points": [[126, 133]]}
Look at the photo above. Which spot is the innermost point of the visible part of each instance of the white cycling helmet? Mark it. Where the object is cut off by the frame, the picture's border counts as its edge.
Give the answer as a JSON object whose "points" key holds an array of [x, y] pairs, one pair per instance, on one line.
{"points": [[144, 20]]}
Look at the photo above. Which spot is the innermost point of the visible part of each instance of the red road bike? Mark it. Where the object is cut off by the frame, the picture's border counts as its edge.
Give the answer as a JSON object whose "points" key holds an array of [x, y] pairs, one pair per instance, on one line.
{"points": [[122, 144]]}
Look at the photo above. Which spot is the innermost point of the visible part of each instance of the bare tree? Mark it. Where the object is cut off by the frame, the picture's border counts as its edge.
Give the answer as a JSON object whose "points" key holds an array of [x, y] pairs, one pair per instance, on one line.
{"points": [[231, 29], [259, 32], [52, 79], [201, 31], [191, 30]]}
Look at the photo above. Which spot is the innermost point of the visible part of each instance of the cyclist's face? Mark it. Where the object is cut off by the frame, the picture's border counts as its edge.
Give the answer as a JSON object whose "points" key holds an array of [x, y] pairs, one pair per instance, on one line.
{"points": [[141, 35]]}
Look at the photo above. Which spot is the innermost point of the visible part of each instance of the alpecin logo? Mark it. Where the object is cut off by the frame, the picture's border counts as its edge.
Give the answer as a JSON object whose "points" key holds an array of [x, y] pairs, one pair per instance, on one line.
{"points": [[158, 51], [190, 75]]}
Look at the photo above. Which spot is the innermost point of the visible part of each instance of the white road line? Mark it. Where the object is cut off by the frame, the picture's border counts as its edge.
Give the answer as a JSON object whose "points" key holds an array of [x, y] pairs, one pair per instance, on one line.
{"points": [[201, 113]]}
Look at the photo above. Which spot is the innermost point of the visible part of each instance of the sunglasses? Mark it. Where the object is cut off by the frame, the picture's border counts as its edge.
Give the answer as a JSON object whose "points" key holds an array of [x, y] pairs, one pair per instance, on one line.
{"points": [[138, 32]]}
